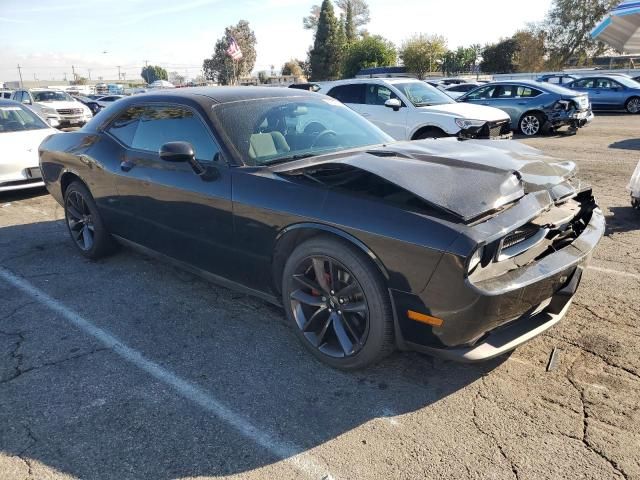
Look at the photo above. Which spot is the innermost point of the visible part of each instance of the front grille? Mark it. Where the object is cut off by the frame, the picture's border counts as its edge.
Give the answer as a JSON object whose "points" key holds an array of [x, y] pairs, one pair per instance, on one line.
{"points": [[69, 111], [520, 235], [494, 129]]}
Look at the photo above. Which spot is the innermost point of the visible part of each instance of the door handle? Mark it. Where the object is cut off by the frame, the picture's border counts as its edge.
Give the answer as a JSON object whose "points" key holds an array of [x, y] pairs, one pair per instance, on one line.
{"points": [[365, 114], [126, 165]]}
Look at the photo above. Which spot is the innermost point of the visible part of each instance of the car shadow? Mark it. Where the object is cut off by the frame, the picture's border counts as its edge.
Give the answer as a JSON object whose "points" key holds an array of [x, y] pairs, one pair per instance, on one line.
{"points": [[99, 417], [628, 144], [16, 195], [622, 219]]}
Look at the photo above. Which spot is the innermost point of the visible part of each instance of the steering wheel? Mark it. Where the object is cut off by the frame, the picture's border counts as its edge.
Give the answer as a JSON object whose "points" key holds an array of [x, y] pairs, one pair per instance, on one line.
{"points": [[322, 135]]}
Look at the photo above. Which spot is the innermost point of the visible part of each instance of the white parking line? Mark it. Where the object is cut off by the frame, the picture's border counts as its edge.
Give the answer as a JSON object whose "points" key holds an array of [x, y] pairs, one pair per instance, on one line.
{"points": [[285, 450], [615, 272]]}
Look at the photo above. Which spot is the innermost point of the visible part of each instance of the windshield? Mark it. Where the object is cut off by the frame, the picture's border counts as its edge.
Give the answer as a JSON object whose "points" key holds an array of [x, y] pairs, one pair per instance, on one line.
{"points": [[50, 96], [268, 131], [18, 119], [422, 94]]}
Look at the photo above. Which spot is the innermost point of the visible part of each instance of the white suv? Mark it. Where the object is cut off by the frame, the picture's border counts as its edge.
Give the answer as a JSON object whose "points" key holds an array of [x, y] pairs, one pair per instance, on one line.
{"points": [[55, 104], [410, 109]]}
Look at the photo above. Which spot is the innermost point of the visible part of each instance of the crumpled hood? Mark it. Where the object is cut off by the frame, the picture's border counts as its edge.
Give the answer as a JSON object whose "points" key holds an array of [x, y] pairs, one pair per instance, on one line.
{"points": [[466, 178], [467, 110]]}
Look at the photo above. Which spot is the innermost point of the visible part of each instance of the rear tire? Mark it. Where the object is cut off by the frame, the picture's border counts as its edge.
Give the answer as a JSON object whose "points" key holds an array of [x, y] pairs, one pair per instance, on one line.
{"points": [[344, 319], [531, 124], [84, 223], [633, 105]]}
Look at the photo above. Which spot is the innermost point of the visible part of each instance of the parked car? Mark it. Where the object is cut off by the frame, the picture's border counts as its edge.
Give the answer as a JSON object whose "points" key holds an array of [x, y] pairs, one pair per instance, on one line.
{"points": [[610, 92], [459, 249], [92, 104], [557, 78], [108, 100], [534, 107], [21, 131], [6, 94], [54, 104], [457, 90], [410, 109]]}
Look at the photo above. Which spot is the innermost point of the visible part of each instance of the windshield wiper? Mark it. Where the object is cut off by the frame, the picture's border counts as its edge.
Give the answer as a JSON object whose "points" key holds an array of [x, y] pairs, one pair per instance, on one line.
{"points": [[290, 158]]}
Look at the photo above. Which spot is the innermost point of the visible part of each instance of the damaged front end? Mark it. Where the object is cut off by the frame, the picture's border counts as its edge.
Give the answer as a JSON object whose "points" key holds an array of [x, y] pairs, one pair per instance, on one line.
{"points": [[572, 112]]}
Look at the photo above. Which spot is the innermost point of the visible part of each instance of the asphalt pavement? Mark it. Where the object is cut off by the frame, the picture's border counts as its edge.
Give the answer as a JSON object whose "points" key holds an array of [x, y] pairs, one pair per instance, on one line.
{"points": [[128, 368]]}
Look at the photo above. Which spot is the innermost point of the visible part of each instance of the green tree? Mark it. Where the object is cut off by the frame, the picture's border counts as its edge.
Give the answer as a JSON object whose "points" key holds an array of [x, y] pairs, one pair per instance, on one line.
{"points": [[500, 57], [325, 56], [422, 53], [359, 12], [531, 52], [567, 30], [151, 73], [372, 51], [222, 68], [350, 32], [293, 67], [263, 75]]}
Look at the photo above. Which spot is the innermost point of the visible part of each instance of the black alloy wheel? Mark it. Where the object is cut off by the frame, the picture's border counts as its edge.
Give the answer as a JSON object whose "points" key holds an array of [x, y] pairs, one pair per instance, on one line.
{"points": [[80, 221], [338, 303], [330, 307], [84, 222]]}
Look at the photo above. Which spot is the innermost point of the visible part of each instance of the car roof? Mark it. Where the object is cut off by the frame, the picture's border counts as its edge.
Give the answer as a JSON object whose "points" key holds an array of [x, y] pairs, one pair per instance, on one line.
{"points": [[226, 94], [531, 83]]}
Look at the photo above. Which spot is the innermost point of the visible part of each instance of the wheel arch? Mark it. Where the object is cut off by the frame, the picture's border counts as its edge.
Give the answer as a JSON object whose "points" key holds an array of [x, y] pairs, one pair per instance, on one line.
{"points": [[533, 110], [67, 178], [426, 128], [290, 237]]}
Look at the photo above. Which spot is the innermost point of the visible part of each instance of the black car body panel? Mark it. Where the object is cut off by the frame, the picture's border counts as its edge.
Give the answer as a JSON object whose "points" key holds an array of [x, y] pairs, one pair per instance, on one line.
{"points": [[418, 210]]}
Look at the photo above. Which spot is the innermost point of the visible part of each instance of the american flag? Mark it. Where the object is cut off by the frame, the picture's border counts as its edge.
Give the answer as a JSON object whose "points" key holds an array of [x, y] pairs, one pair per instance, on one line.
{"points": [[234, 49]]}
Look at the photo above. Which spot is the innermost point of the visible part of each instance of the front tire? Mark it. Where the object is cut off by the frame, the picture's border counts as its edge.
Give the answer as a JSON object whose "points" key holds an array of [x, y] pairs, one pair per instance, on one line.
{"points": [[432, 132], [633, 105], [84, 223], [531, 124], [338, 304]]}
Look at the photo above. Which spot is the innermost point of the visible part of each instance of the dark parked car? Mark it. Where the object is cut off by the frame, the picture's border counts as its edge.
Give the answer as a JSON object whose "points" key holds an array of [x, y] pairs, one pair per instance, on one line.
{"points": [[534, 107], [463, 249], [610, 92], [89, 102]]}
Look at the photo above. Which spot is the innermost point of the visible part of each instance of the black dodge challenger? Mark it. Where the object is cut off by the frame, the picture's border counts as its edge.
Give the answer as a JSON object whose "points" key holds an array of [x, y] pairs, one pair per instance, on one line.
{"points": [[463, 249]]}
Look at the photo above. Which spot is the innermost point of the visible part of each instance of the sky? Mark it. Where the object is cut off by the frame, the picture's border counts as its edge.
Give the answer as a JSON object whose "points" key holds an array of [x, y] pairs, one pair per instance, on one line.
{"points": [[48, 37]]}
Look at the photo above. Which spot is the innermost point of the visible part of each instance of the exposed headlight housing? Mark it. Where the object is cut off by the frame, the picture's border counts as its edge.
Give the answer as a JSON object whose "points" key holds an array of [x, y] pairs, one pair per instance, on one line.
{"points": [[466, 123], [475, 260], [49, 111]]}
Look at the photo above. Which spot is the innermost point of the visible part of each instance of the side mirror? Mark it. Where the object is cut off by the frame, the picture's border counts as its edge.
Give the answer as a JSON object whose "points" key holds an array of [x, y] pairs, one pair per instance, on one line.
{"points": [[26, 101], [394, 103], [177, 152]]}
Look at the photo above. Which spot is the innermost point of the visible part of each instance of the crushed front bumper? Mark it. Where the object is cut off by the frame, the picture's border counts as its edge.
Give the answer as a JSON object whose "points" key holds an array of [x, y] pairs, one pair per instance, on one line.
{"points": [[491, 317], [497, 130]]}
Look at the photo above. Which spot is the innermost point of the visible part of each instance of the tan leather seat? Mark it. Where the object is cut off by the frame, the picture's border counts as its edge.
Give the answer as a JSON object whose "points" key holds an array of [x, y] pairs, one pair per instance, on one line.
{"points": [[267, 144]]}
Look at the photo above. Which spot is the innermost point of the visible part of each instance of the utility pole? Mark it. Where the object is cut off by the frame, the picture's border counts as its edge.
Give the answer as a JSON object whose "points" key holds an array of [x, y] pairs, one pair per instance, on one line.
{"points": [[118, 72], [89, 70], [20, 74], [73, 69]]}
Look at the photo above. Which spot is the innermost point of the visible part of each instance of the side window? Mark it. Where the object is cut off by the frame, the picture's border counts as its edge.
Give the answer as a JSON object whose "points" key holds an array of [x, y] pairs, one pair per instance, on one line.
{"points": [[353, 93], [604, 83], [584, 83], [377, 94], [504, 91], [482, 93], [124, 126], [160, 124], [527, 92]]}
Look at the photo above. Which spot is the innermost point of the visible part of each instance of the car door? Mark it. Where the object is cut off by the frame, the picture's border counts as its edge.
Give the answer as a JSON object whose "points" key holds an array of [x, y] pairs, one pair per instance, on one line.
{"points": [[589, 85], [504, 98], [391, 121], [480, 96], [611, 93], [169, 208]]}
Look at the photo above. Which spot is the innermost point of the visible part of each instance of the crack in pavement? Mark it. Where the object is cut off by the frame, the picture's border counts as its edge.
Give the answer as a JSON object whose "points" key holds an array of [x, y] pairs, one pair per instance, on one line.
{"points": [[514, 468], [594, 353], [585, 423], [32, 442], [16, 310], [18, 357]]}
